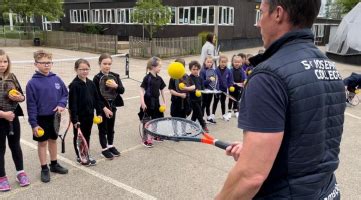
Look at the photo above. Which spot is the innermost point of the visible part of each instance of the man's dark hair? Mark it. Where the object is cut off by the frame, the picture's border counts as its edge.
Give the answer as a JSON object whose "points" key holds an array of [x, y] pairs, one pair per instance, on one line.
{"points": [[302, 12], [210, 37]]}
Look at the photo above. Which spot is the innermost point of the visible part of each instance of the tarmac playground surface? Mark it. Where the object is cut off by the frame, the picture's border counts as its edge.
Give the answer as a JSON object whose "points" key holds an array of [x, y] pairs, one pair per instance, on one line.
{"points": [[169, 170]]}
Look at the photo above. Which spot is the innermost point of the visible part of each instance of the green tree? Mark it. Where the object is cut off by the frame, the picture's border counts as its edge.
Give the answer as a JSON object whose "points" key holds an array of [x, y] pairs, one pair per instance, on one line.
{"points": [[152, 14], [347, 5], [51, 9]]}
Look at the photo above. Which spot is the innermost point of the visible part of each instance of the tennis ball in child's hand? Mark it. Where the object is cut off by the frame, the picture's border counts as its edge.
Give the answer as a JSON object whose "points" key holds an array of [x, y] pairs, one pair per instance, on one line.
{"points": [[14, 92], [97, 120], [357, 91], [212, 78], [110, 81], [161, 108], [249, 72], [181, 86], [176, 70], [231, 89], [40, 132], [198, 93]]}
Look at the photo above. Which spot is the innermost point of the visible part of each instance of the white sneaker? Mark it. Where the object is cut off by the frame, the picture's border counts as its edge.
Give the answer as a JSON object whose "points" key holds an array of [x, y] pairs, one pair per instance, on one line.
{"points": [[229, 115], [237, 114], [225, 117]]}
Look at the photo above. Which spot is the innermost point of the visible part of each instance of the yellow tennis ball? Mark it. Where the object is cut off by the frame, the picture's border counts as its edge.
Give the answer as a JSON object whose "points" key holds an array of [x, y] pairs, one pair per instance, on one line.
{"points": [[181, 86], [176, 70], [13, 92], [249, 72], [97, 120], [110, 81], [198, 93], [161, 108], [40, 132], [231, 89], [212, 78], [357, 91]]}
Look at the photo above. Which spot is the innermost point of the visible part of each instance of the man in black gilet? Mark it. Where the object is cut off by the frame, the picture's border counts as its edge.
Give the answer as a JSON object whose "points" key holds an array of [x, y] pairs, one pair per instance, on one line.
{"points": [[291, 112]]}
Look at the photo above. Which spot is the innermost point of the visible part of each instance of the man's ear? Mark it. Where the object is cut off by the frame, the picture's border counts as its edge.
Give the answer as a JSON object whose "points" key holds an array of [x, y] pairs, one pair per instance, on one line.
{"points": [[280, 14]]}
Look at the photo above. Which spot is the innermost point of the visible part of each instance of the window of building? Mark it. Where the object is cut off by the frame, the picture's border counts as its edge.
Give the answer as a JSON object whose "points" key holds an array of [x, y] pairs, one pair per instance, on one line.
{"points": [[204, 15], [96, 16], [211, 15], [180, 15], [192, 15], [173, 17], [127, 16], [199, 15]]}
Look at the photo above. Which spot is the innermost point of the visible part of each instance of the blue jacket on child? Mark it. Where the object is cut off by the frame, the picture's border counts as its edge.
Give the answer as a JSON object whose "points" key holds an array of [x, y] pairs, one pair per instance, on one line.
{"points": [[225, 80], [43, 95]]}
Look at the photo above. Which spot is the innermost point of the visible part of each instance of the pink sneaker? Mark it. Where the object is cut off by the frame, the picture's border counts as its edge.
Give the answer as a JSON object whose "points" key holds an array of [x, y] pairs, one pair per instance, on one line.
{"points": [[22, 179], [4, 184]]}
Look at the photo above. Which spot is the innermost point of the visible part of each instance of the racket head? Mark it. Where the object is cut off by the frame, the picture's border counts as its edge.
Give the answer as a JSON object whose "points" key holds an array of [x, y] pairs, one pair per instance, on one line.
{"points": [[107, 92], [62, 122], [82, 147], [6, 104], [173, 128], [212, 73]]}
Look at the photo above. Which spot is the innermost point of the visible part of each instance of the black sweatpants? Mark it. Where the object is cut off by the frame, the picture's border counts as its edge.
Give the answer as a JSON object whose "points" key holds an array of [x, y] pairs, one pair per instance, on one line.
{"points": [[198, 113], [237, 95], [106, 130], [206, 103], [86, 124], [14, 144], [219, 97]]}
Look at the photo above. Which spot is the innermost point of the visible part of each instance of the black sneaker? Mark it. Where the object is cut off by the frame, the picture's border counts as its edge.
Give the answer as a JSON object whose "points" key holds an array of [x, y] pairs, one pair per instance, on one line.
{"points": [[92, 161], [45, 175], [58, 169], [107, 154], [211, 121], [114, 151], [82, 163]]}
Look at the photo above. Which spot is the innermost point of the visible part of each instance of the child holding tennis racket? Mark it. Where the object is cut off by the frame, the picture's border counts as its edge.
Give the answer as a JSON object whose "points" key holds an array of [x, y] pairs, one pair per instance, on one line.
{"points": [[150, 89], [209, 78], [5, 117], [225, 80], [239, 77], [83, 99], [107, 82], [195, 95], [46, 94], [180, 106]]}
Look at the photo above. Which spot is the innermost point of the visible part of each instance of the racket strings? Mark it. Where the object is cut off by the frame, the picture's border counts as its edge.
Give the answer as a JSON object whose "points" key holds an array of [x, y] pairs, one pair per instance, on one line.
{"points": [[173, 127]]}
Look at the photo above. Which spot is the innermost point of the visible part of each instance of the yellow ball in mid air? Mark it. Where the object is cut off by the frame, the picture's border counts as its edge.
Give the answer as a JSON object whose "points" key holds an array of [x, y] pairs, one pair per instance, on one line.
{"points": [[97, 120], [176, 70], [181, 86], [40, 132], [161, 108], [198, 93], [231, 89]]}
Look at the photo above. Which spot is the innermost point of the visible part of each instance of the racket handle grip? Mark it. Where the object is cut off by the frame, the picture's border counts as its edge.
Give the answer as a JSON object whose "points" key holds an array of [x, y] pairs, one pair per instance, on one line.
{"points": [[221, 144], [62, 147], [11, 128]]}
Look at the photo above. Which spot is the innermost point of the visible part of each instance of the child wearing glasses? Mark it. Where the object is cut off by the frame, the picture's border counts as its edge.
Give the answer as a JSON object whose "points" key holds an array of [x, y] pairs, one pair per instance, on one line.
{"points": [[46, 94], [83, 99]]}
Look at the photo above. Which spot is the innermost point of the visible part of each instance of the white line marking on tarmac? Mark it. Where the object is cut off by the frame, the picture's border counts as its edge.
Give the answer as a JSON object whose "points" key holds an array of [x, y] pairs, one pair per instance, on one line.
{"points": [[351, 115], [98, 175]]}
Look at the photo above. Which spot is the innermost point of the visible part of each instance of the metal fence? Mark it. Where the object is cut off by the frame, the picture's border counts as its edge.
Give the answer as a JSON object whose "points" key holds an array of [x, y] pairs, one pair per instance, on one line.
{"points": [[164, 47], [81, 41], [19, 35]]}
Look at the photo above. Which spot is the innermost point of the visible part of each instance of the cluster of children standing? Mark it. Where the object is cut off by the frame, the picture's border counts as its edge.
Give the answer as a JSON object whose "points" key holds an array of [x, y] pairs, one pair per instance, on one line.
{"points": [[184, 99], [46, 94]]}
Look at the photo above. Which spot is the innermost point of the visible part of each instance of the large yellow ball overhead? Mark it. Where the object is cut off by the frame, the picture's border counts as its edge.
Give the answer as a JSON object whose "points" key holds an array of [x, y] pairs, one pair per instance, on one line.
{"points": [[176, 70]]}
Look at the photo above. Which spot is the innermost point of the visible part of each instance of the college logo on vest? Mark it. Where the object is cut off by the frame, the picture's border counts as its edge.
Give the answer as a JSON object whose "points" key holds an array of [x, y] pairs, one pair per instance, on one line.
{"points": [[57, 86], [324, 69]]}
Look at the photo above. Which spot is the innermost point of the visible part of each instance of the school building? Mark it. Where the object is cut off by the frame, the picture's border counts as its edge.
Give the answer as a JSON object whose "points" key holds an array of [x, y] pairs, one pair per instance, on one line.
{"points": [[233, 20]]}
